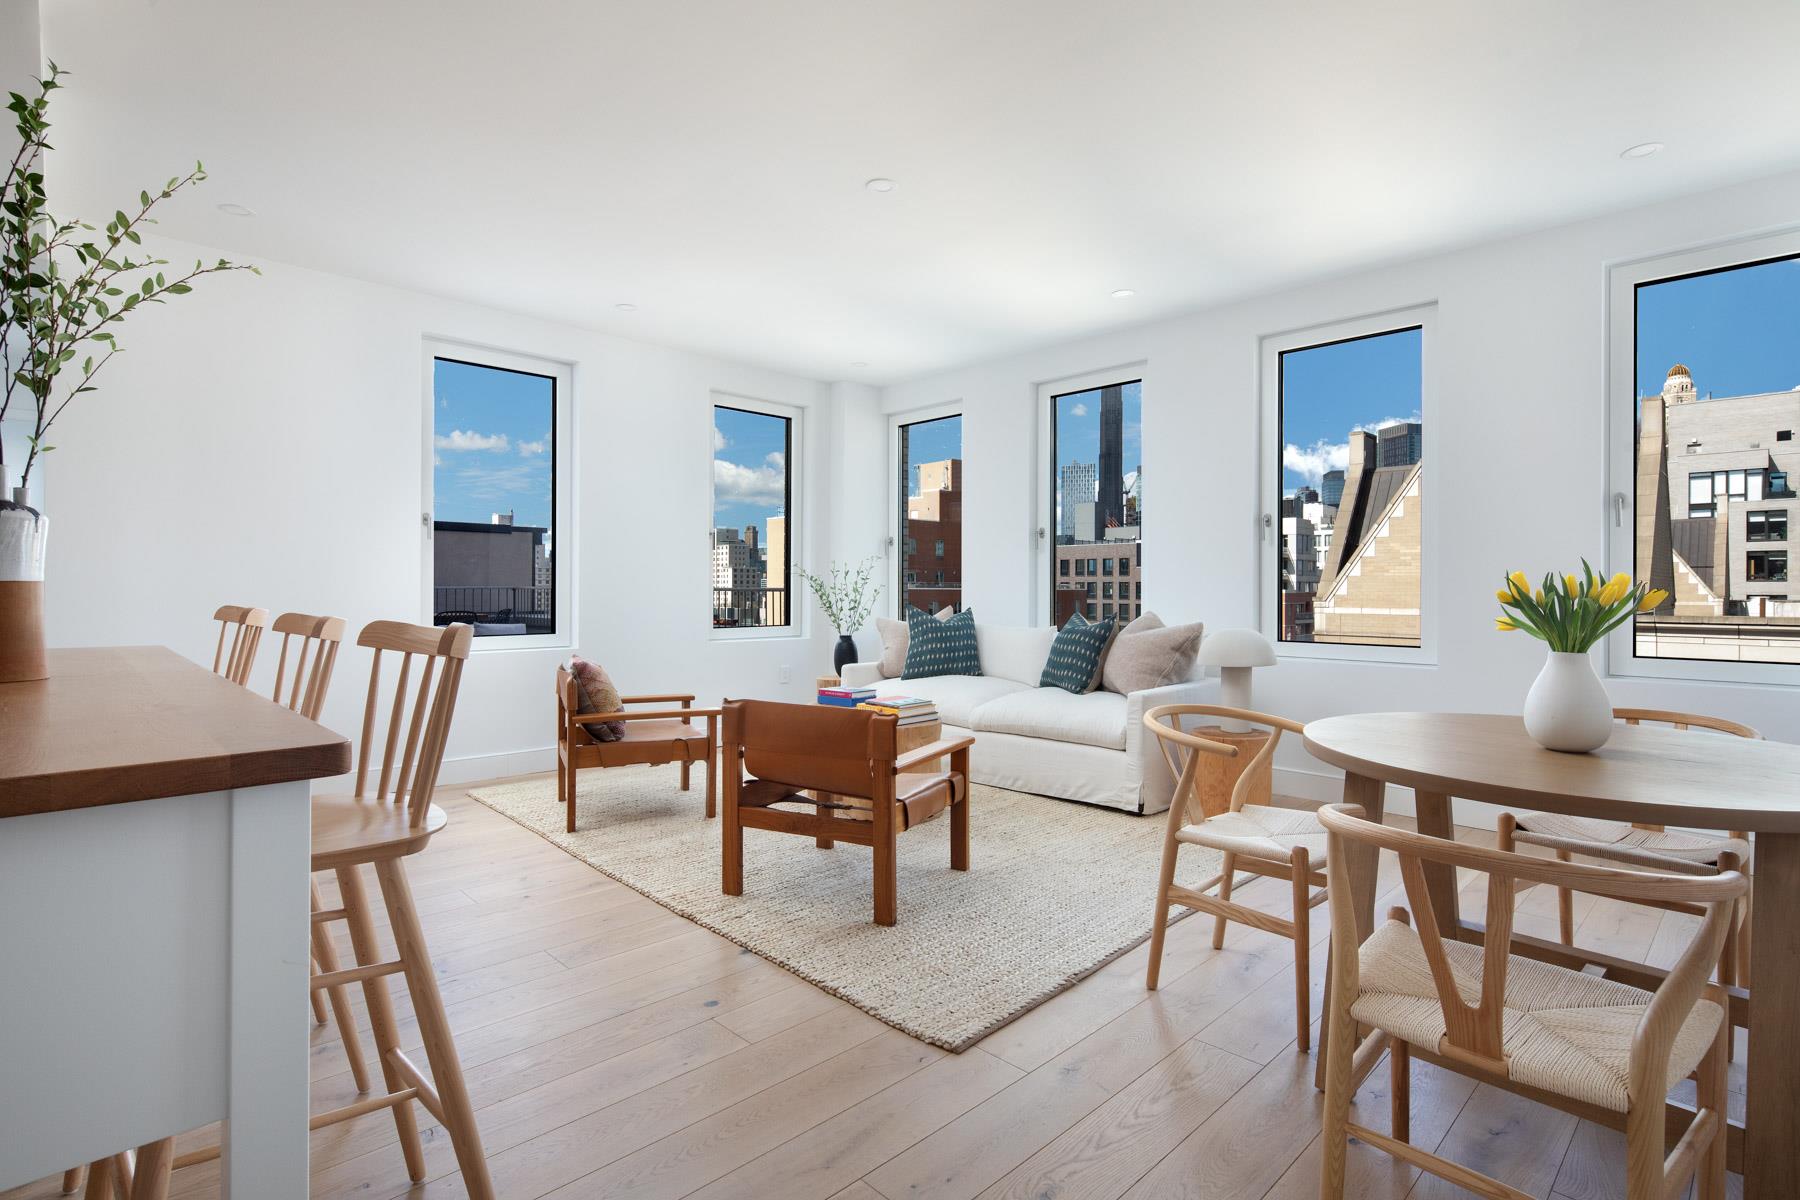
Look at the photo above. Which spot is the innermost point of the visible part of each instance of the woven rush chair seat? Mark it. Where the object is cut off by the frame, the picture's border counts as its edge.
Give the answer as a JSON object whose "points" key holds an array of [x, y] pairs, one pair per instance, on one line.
{"points": [[1260, 831], [1692, 847], [1563, 1031]]}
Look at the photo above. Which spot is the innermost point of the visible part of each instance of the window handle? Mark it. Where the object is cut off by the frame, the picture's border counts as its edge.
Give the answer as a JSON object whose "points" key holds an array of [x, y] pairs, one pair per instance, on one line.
{"points": [[1618, 509]]}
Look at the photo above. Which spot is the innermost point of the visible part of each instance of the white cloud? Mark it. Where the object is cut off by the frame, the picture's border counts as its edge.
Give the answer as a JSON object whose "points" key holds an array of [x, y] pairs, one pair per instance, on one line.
{"points": [[734, 483], [720, 441], [527, 449], [499, 483], [468, 439], [1313, 461], [1079, 410], [776, 459]]}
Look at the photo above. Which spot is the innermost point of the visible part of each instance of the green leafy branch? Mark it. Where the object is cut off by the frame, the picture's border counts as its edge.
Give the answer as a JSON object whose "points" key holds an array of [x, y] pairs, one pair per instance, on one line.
{"points": [[846, 598], [65, 284]]}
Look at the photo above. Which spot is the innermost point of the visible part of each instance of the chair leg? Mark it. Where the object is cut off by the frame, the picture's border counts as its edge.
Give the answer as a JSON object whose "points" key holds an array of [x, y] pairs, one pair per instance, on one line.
{"points": [[1645, 1146], [123, 1170], [567, 778], [1230, 869], [562, 786], [381, 1013], [99, 1180], [73, 1178], [686, 769], [428, 1010], [959, 835], [1709, 1175], [731, 846], [825, 813], [1300, 867], [326, 954], [712, 777], [1335, 1120], [887, 872], [1165, 879], [155, 1162], [318, 1001], [1400, 1090]]}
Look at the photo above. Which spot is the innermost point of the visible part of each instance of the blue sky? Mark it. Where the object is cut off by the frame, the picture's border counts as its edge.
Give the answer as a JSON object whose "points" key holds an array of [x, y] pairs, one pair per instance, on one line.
{"points": [[931, 441], [1737, 332], [492, 443], [1078, 432], [1327, 391], [749, 468]]}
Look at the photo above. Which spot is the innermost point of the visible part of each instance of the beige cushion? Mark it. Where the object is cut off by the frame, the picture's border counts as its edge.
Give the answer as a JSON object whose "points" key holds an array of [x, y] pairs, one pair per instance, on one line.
{"points": [[1092, 718], [1562, 1031], [1261, 831], [1148, 654], [957, 696], [894, 641], [1015, 652], [1693, 847]]}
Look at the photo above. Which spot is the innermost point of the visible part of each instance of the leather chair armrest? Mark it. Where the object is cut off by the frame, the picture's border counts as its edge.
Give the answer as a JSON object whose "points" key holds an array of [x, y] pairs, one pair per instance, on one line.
{"points": [[936, 750]]}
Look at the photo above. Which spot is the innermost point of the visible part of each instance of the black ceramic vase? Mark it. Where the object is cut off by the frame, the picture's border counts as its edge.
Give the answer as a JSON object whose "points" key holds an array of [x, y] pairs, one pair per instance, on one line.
{"points": [[844, 653]]}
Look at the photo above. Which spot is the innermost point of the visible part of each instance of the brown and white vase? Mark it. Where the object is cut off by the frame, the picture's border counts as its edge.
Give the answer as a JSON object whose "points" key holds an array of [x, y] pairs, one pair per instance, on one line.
{"points": [[23, 532]]}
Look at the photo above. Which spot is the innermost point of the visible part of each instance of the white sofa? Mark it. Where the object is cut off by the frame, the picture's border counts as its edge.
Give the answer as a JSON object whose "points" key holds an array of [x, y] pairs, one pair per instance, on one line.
{"points": [[1091, 748]]}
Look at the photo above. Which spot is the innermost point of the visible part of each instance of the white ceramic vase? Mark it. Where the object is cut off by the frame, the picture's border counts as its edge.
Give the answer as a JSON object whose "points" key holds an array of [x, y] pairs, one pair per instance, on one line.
{"points": [[1567, 707]]}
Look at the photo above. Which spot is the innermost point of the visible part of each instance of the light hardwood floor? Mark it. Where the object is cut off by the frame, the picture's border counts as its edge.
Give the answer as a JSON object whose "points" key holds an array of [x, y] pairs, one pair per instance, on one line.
{"points": [[614, 1049]]}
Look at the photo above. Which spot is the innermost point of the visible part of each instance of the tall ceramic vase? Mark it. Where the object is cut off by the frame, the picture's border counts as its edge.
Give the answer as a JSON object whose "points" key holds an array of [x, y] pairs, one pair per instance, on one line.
{"points": [[23, 531], [1567, 708]]}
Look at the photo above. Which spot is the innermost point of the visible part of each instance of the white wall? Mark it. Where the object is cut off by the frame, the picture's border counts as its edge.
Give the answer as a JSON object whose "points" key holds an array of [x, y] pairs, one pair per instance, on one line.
{"points": [[261, 442], [1518, 437]]}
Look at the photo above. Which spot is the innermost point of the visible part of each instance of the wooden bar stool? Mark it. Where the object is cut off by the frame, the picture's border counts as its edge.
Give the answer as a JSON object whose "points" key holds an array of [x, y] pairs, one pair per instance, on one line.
{"points": [[245, 625], [380, 827]]}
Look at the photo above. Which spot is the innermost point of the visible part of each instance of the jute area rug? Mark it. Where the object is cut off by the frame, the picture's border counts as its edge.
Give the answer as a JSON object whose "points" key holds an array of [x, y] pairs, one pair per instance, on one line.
{"points": [[1055, 891]]}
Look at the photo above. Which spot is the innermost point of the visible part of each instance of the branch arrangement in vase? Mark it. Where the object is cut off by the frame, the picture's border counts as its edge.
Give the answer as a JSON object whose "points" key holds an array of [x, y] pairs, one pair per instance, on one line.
{"points": [[64, 284], [1572, 615], [847, 595]]}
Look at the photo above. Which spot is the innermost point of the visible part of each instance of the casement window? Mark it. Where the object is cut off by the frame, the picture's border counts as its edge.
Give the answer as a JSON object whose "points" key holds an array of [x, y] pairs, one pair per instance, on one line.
{"points": [[928, 511], [1093, 483], [1702, 364], [753, 516], [1347, 480], [498, 494]]}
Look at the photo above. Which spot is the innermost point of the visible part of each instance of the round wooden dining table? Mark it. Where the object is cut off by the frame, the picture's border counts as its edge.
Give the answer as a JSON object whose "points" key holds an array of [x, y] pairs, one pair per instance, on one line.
{"points": [[1644, 774]]}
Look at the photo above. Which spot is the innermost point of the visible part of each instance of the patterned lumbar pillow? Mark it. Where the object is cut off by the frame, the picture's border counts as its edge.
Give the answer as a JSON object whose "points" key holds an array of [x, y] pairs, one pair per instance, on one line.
{"points": [[945, 647], [598, 695], [1077, 655]]}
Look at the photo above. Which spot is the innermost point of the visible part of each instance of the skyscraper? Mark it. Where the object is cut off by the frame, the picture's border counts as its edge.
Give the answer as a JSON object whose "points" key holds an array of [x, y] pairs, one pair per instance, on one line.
{"points": [[1331, 489], [1109, 502], [1077, 489], [1400, 444]]}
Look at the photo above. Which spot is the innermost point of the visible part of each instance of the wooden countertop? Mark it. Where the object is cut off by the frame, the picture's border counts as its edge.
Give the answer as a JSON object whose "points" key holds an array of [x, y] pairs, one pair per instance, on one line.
{"points": [[119, 723]]}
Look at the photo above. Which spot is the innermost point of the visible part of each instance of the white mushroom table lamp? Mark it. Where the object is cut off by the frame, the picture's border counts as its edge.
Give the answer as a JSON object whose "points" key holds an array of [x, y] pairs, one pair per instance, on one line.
{"points": [[1236, 652]]}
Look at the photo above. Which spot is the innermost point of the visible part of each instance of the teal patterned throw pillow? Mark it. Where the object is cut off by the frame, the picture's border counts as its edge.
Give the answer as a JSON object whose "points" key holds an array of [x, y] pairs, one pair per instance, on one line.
{"points": [[1077, 655], [945, 647]]}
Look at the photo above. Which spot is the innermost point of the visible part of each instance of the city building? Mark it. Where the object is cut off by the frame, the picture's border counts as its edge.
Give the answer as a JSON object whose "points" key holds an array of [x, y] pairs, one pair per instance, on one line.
{"points": [[1714, 509], [1400, 444], [776, 602], [1099, 579], [1079, 483], [1368, 591], [932, 538], [738, 572], [493, 573], [1331, 488], [1109, 499]]}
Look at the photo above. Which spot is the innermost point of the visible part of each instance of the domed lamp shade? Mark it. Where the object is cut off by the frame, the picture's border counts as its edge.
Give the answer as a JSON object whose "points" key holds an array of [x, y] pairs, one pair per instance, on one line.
{"points": [[1236, 652]]}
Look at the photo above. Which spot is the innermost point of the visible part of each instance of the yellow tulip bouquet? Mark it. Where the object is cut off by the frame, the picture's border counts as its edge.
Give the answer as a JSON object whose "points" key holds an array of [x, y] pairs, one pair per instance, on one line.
{"points": [[1570, 614]]}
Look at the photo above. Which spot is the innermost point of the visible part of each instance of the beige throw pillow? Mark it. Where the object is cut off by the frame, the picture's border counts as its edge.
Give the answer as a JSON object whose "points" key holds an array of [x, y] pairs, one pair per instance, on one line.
{"points": [[1149, 654], [894, 641]]}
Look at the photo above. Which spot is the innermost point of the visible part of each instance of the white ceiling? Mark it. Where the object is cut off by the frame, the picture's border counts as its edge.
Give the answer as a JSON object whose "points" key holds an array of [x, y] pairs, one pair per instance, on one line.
{"points": [[705, 159]]}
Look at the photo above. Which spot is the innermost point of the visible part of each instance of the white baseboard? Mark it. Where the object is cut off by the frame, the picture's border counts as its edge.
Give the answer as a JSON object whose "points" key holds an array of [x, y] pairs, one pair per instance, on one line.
{"points": [[471, 768]]}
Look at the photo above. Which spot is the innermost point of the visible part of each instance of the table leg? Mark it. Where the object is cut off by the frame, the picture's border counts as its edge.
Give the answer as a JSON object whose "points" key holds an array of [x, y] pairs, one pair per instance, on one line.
{"points": [[1370, 795], [1435, 820], [267, 1104], [1771, 1167]]}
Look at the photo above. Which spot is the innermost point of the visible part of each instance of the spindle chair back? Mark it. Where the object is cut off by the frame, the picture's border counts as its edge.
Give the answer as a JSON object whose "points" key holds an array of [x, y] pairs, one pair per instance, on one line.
{"points": [[319, 639], [245, 627]]}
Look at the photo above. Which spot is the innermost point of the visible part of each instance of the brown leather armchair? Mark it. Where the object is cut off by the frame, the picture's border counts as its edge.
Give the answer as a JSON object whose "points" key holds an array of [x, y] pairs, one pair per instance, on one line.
{"points": [[661, 735], [845, 765]]}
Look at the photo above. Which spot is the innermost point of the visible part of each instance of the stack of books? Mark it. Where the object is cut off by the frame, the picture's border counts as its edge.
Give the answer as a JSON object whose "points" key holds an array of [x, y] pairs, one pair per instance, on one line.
{"points": [[909, 709], [843, 697]]}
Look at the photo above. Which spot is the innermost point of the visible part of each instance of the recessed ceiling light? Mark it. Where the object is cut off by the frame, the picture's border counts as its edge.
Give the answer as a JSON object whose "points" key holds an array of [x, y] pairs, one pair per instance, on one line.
{"points": [[881, 185], [1641, 150], [236, 210], [859, 364], [626, 307], [1123, 294]]}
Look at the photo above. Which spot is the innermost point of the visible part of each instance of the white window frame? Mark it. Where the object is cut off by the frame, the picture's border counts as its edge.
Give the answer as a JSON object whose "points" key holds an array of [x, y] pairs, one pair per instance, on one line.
{"points": [[562, 521], [1619, 414], [896, 553], [798, 610], [1268, 560], [1043, 532]]}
